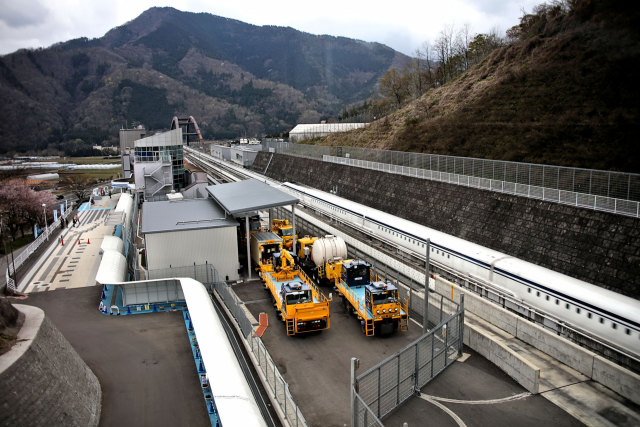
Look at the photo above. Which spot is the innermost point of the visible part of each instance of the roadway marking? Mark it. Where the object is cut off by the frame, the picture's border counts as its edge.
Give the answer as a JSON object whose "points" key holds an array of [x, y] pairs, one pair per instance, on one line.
{"points": [[519, 396], [448, 411], [436, 401]]}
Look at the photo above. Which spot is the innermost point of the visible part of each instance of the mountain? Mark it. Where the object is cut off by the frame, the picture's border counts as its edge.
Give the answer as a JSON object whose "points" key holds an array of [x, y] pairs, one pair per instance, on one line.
{"points": [[564, 92], [234, 78]]}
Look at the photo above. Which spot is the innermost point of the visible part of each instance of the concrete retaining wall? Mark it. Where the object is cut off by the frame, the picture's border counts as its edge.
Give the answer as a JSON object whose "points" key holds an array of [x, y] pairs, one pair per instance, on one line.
{"points": [[44, 381]]}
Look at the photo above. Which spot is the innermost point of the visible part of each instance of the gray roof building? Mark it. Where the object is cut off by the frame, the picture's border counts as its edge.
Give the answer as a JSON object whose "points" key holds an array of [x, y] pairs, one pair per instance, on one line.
{"points": [[183, 215], [246, 197]]}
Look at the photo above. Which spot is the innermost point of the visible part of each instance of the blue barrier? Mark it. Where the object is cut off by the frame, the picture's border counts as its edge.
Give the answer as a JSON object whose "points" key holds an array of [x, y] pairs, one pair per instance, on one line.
{"points": [[204, 381]]}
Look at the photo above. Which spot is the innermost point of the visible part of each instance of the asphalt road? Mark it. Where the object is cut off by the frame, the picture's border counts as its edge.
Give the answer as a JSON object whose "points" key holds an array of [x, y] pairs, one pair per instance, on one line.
{"points": [[475, 384], [148, 376], [143, 362], [317, 368]]}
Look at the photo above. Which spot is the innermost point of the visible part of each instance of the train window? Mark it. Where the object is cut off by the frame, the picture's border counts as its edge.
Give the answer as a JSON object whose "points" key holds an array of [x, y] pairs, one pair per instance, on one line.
{"points": [[448, 256], [614, 325], [568, 306], [589, 315], [529, 290], [557, 302], [577, 310], [627, 331], [547, 297], [538, 293], [601, 320]]}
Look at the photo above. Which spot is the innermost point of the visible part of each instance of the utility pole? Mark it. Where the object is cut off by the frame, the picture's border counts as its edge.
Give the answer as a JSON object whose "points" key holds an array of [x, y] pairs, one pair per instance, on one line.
{"points": [[425, 323], [355, 364]]}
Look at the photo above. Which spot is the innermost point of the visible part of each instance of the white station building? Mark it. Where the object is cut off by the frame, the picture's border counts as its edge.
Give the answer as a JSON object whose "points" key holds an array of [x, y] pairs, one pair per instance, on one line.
{"points": [[183, 232]]}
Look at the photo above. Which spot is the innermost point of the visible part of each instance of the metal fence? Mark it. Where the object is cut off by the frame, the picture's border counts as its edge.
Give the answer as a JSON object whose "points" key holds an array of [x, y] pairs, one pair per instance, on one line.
{"points": [[33, 246], [276, 384], [615, 192], [382, 388]]}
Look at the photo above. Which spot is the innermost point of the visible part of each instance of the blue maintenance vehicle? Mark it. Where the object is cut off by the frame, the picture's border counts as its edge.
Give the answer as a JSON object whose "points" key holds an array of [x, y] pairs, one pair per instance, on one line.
{"points": [[376, 303]]}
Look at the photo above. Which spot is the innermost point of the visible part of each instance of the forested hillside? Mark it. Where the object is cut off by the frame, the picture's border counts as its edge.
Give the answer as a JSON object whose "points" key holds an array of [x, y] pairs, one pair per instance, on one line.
{"points": [[561, 90], [236, 79]]}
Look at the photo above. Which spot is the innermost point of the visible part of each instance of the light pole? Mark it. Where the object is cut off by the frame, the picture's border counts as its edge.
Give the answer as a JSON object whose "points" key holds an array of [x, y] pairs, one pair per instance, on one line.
{"points": [[44, 209]]}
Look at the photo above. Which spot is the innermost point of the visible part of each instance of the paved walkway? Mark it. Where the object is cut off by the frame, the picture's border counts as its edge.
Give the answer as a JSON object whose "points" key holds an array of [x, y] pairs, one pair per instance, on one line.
{"points": [[72, 260]]}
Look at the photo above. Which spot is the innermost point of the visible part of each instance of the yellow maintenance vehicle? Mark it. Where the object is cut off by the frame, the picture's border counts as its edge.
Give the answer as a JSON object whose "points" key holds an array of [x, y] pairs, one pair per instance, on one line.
{"points": [[322, 258], [263, 245], [376, 303], [284, 229], [297, 300]]}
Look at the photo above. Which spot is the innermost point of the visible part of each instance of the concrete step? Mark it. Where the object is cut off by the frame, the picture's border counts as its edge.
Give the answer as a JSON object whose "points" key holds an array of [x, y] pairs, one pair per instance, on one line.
{"points": [[584, 399], [596, 405]]}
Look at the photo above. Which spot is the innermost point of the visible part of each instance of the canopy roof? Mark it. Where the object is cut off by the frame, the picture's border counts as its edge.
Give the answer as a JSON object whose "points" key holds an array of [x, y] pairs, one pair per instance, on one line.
{"points": [[244, 197]]}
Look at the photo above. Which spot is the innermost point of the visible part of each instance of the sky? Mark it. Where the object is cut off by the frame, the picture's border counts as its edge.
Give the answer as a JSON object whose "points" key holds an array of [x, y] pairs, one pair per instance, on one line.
{"points": [[403, 25]]}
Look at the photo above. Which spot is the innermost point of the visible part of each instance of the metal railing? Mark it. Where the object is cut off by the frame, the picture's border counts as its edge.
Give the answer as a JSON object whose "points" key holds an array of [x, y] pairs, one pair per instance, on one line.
{"points": [[384, 387], [33, 246], [615, 192], [275, 382]]}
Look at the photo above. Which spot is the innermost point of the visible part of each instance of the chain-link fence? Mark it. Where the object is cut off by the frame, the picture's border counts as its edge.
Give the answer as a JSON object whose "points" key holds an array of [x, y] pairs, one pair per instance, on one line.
{"points": [[616, 192], [276, 384], [387, 385]]}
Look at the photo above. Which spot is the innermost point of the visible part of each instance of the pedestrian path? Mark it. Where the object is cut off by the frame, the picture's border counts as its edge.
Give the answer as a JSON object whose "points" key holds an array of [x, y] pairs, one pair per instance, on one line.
{"points": [[73, 259]]}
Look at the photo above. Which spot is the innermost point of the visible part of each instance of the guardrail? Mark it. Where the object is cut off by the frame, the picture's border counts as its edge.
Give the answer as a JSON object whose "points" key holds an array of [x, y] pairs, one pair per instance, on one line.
{"points": [[33, 246], [589, 201], [608, 191]]}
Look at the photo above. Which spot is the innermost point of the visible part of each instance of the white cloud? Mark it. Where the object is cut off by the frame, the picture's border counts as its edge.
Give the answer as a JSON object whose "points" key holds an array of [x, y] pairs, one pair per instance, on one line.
{"points": [[402, 25]]}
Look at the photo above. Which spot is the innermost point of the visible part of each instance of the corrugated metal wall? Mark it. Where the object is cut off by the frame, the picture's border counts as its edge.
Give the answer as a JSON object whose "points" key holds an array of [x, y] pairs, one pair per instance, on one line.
{"points": [[217, 246]]}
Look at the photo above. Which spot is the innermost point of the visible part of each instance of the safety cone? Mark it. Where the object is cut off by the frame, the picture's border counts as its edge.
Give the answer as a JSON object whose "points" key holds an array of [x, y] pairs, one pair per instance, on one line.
{"points": [[88, 241], [61, 241], [79, 240]]}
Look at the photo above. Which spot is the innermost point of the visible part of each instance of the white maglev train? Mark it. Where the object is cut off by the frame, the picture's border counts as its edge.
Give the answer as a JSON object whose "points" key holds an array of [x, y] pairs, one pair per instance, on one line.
{"points": [[607, 315]]}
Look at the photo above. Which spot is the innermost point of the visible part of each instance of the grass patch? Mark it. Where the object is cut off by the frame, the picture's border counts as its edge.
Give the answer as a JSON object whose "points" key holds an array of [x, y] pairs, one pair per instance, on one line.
{"points": [[95, 160]]}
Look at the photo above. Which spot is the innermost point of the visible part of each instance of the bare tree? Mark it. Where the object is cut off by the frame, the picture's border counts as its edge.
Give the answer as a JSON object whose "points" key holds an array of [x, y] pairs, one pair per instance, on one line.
{"points": [[444, 52], [461, 47], [79, 185], [394, 84]]}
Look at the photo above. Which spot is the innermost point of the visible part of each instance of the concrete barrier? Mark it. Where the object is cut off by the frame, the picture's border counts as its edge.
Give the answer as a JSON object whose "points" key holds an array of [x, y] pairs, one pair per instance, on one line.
{"points": [[618, 379], [43, 379], [524, 373], [559, 348], [493, 314]]}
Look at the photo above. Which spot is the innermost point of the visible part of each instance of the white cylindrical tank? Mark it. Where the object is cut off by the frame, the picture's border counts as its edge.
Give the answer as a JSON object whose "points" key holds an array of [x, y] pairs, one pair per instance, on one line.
{"points": [[328, 248]]}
